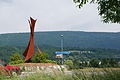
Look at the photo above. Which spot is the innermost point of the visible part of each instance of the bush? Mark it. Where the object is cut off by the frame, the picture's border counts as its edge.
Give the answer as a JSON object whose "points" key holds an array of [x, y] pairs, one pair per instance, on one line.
{"points": [[41, 58], [37, 58], [15, 57], [77, 64], [94, 62], [69, 63], [109, 62], [50, 61], [16, 62]]}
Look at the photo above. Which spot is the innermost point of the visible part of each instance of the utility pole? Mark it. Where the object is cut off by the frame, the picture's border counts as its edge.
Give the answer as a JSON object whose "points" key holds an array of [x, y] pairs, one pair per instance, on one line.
{"points": [[62, 48]]}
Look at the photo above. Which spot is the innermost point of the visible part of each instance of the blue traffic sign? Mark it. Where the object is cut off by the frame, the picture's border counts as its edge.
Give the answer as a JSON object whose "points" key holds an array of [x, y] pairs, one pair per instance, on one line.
{"points": [[64, 52]]}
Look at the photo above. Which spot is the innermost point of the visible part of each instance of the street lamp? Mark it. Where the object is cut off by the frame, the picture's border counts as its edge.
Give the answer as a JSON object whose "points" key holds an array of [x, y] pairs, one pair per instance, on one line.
{"points": [[62, 47], [61, 43]]}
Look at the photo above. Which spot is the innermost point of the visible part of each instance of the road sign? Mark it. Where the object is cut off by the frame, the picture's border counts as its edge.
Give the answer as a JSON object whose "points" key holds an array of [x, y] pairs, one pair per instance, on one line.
{"points": [[64, 52]]}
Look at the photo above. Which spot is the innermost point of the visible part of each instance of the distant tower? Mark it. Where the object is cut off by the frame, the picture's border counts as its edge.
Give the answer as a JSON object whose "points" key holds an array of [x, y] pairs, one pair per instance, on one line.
{"points": [[29, 52]]}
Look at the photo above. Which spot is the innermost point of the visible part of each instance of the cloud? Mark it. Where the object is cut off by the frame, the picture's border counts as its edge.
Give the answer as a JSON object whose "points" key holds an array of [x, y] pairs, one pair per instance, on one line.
{"points": [[6, 1], [50, 15]]}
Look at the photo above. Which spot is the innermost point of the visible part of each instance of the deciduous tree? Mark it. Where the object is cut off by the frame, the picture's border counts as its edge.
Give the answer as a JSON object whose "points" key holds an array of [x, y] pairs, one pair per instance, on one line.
{"points": [[109, 10]]}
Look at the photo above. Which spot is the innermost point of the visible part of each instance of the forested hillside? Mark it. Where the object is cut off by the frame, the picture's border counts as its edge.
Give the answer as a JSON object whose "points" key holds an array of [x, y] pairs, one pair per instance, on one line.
{"points": [[102, 45], [71, 39]]}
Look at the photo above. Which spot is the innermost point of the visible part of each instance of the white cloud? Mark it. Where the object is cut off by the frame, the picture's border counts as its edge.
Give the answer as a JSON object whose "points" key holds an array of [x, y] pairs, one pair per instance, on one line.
{"points": [[6, 1], [51, 15]]}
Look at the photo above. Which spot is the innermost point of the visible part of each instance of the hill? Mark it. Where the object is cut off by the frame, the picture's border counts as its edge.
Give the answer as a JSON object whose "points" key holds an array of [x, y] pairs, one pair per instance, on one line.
{"points": [[71, 39], [102, 45]]}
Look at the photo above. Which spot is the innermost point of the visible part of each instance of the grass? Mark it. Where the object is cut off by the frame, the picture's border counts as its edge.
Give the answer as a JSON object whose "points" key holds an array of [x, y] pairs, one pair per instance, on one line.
{"points": [[98, 69], [107, 74], [99, 74]]}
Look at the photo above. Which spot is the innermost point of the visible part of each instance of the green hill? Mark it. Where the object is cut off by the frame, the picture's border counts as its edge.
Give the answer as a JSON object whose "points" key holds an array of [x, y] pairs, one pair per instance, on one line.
{"points": [[71, 39], [101, 44]]}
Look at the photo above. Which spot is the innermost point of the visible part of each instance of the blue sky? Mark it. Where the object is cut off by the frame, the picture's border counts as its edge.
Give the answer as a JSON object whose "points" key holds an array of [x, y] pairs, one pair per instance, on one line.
{"points": [[51, 15]]}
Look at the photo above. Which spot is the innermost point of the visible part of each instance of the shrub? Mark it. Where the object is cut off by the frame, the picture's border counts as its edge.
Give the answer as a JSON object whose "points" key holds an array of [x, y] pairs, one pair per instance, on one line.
{"points": [[50, 61], [41, 58], [69, 63], [94, 62], [37, 58], [16, 62], [15, 57]]}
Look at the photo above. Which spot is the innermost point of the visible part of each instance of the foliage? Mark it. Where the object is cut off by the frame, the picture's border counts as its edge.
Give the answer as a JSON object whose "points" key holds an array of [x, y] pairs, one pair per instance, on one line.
{"points": [[41, 58], [102, 45], [113, 62], [109, 62], [107, 75], [19, 41], [17, 62], [50, 61], [15, 57], [69, 63], [108, 9], [76, 64], [94, 62]]}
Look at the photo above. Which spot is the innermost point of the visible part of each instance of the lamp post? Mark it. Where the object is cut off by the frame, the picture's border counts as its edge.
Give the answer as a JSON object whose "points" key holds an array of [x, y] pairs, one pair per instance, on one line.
{"points": [[62, 48], [61, 43]]}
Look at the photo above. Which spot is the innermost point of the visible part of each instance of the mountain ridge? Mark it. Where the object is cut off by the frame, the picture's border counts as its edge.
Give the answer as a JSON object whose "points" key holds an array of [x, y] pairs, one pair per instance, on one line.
{"points": [[71, 39]]}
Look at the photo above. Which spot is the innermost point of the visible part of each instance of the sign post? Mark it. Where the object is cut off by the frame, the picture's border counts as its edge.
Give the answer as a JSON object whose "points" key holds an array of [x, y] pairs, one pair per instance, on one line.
{"points": [[60, 54]]}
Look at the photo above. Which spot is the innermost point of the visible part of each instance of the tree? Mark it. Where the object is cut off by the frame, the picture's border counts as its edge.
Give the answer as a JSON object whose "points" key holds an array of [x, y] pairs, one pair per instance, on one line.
{"points": [[109, 62], [16, 59], [69, 63], [39, 57], [109, 10], [76, 64], [105, 62], [42, 58], [113, 62], [94, 62]]}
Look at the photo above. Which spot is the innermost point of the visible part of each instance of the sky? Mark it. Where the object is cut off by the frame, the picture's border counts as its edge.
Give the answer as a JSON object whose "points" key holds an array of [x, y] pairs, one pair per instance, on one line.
{"points": [[51, 15]]}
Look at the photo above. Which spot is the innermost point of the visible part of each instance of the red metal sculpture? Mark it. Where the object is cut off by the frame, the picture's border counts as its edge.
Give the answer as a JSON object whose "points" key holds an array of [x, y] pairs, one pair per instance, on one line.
{"points": [[29, 52]]}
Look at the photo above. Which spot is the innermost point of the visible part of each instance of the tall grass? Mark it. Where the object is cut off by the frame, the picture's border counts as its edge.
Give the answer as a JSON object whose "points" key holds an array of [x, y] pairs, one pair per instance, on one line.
{"points": [[105, 75]]}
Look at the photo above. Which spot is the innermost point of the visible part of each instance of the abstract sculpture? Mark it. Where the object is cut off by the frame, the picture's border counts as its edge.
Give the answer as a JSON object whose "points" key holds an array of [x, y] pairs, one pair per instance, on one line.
{"points": [[29, 52]]}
